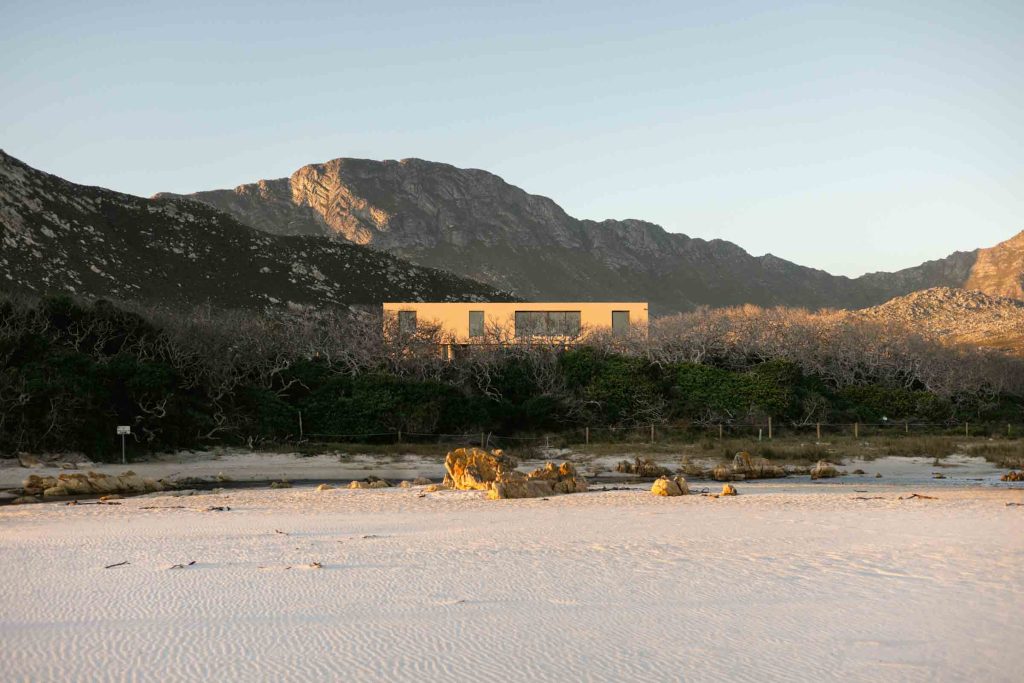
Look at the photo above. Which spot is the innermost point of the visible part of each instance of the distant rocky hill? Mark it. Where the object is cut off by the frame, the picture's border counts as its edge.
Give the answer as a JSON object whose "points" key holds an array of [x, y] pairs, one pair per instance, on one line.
{"points": [[471, 221], [958, 316], [57, 236]]}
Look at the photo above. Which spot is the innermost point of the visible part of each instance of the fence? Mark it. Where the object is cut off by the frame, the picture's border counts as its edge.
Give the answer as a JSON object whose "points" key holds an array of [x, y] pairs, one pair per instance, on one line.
{"points": [[666, 433]]}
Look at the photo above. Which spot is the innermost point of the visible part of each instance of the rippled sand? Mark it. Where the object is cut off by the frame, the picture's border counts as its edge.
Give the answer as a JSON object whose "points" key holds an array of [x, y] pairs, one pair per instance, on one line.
{"points": [[779, 583]]}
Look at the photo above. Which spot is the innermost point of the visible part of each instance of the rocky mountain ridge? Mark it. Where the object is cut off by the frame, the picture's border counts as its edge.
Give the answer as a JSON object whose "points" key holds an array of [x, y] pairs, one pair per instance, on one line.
{"points": [[471, 221], [57, 236], [958, 316]]}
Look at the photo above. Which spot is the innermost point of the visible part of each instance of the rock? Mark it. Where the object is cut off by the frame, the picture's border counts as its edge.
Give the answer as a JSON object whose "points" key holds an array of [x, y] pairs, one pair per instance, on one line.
{"points": [[24, 500], [544, 481], [34, 484], [404, 485], [55, 491], [728, 490], [68, 466], [938, 475], [280, 484], [28, 460], [112, 496], [434, 488], [746, 467], [1013, 476], [101, 483], [421, 481], [564, 478], [665, 486], [354, 484], [824, 470], [378, 484], [722, 473], [152, 485], [642, 467], [515, 484], [324, 487], [130, 482], [221, 477], [473, 469], [878, 475], [859, 472]]}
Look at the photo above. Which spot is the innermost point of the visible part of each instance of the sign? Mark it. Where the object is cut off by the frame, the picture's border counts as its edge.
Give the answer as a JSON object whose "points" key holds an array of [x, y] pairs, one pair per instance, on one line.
{"points": [[124, 429]]}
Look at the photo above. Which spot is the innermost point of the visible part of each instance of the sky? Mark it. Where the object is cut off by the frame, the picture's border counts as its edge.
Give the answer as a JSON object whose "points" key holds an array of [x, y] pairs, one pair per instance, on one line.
{"points": [[847, 136]]}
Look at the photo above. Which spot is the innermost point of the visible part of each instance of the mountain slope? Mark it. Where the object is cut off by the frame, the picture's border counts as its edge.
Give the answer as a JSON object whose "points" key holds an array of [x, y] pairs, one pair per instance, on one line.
{"points": [[473, 221], [958, 316], [61, 237]]}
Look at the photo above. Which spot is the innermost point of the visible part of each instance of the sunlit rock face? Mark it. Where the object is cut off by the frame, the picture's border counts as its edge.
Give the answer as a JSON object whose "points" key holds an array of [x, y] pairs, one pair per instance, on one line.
{"points": [[473, 469], [454, 218], [59, 237]]}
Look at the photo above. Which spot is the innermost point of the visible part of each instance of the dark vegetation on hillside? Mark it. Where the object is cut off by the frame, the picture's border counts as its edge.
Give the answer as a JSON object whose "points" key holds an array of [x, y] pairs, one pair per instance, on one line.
{"points": [[71, 371]]}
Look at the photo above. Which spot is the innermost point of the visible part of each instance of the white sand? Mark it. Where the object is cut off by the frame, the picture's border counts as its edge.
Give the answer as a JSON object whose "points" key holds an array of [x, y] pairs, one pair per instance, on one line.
{"points": [[775, 584]]}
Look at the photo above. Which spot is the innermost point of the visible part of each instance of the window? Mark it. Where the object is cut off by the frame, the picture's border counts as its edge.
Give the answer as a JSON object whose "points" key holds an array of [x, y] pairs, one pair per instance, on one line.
{"points": [[620, 322], [407, 322], [476, 323], [547, 323]]}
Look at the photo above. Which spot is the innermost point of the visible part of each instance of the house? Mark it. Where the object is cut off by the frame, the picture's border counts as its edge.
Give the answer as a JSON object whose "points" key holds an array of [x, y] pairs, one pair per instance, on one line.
{"points": [[469, 323]]}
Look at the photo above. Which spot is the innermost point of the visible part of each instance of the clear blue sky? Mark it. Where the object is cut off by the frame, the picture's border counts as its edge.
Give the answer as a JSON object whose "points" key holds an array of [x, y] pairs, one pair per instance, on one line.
{"points": [[849, 136]]}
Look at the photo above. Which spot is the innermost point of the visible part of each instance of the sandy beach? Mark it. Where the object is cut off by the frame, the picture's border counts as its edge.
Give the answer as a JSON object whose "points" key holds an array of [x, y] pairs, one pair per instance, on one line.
{"points": [[786, 581]]}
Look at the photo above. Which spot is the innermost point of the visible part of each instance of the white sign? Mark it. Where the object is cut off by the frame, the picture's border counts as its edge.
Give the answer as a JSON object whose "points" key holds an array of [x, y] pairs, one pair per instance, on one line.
{"points": [[124, 429]]}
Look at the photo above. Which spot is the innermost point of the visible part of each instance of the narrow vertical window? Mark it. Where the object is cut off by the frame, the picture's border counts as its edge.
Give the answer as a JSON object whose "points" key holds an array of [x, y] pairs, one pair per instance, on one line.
{"points": [[620, 322], [407, 322], [476, 323]]}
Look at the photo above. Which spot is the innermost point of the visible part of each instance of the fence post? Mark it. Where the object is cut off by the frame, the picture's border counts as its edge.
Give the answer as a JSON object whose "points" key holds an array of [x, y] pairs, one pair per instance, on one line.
{"points": [[856, 430], [967, 428], [652, 433], [399, 436], [482, 445], [759, 433], [819, 431], [719, 431], [906, 427], [547, 442], [300, 425], [586, 435], [769, 429]]}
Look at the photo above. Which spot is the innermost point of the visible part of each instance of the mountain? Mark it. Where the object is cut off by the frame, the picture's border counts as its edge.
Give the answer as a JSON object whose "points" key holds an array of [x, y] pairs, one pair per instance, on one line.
{"points": [[471, 221], [61, 237], [958, 316]]}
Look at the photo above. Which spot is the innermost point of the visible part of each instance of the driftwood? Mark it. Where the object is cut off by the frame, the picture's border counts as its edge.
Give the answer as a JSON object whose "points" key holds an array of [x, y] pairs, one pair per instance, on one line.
{"points": [[117, 564], [868, 498], [182, 566], [918, 495]]}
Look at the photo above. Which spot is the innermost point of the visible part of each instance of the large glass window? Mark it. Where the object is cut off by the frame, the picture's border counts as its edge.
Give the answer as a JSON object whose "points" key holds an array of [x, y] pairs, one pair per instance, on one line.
{"points": [[547, 323], [476, 323], [620, 322], [407, 322]]}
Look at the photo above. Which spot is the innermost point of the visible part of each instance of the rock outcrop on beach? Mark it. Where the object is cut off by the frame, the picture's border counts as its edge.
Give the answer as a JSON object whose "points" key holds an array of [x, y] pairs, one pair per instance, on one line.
{"points": [[473, 469], [90, 483], [824, 470], [746, 467], [670, 486]]}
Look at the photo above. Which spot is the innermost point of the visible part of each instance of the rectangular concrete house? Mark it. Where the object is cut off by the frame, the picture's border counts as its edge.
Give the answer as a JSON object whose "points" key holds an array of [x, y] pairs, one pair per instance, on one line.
{"points": [[468, 323]]}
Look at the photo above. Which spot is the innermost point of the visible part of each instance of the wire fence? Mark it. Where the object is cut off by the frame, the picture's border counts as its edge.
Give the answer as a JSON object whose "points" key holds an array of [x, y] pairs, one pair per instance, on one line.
{"points": [[681, 433]]}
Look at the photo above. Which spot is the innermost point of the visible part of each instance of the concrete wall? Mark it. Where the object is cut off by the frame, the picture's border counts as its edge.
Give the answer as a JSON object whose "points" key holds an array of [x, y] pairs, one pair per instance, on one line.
{"points": [[454, 317]]}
